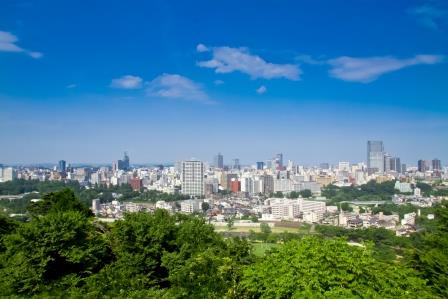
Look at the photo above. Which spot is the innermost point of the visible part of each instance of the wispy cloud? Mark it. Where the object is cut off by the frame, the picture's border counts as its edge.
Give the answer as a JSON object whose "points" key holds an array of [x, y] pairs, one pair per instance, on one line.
{"points": [[70, 86], [262, 89], [228, 60], [202, 48], [308, 59], [8, 43], [218, 82], [428, 14], [368, 69], [127, 82], [177, 87]]}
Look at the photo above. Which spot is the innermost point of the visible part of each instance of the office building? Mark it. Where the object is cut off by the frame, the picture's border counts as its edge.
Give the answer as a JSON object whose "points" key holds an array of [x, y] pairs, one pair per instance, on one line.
{"points": [[395, 164], [423, 165], [235, 185], [268, 183], [136, 184], [279, 161], [125, 162], [192, 178], [236, 164], [375, 156], [260, 165], [9, 174], [403, 168], [344, 166], [62, 166], [218, 161], [436, 165], [387, 158]]}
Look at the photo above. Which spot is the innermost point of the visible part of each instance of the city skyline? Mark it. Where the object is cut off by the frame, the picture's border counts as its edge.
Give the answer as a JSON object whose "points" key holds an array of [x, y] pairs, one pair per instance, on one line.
{"points": [[166, 81]]}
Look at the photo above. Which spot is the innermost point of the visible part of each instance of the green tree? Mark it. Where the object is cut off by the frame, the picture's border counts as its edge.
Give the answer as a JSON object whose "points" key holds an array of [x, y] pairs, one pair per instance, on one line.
{"points": [[429, 255], [306, 193], [7, 226], [205, 207], [230, 223], [315, 268], [57, 202], [55, 251], [345, 206]]}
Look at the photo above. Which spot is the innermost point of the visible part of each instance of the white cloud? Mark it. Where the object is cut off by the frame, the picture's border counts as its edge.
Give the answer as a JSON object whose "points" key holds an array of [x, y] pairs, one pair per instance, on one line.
{"points": [[218, 82], [262, 89], [308, 59], [8, 44], [71, 86], [202, 48], [36, 55], [368, 69], [227, 60], [173, 86], [127, 82]]}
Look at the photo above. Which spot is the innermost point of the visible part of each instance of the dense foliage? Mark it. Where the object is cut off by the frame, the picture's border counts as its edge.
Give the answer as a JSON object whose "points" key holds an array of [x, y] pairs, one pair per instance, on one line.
{"points": [[315, 268], [370, 191], [64, 252]]}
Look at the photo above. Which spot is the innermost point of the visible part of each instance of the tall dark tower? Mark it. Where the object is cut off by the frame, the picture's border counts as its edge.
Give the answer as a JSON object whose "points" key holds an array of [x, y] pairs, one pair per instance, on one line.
{"points": [[126, 161]]}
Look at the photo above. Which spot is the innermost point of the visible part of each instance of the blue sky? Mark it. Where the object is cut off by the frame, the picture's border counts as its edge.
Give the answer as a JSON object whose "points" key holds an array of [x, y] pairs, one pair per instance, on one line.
{"points": [[167, 80]]}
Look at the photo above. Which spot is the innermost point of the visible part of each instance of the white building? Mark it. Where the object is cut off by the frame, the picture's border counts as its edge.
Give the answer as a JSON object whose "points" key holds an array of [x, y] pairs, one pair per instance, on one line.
{"points": [[283, 185], [311, 206], [312, 217], [344, 166], [164, 205], [417, 192], [96, 206], [192, 177], [190, 206], [403, 187], [284, 208], [9, 174], [408, 219]]}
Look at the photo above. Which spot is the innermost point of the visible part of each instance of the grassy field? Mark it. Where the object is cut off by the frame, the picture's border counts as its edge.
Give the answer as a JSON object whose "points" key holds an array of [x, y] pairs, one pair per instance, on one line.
{"points": [[259, 249], [275, 230]]}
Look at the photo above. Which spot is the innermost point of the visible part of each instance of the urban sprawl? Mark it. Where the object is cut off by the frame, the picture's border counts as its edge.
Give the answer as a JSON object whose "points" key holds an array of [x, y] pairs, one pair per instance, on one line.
{"points": [[269, 192]]}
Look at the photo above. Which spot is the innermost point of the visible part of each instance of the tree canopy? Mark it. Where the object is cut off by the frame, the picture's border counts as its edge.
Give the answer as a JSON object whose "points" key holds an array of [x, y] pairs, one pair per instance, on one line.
{"points": [[318, 268]]}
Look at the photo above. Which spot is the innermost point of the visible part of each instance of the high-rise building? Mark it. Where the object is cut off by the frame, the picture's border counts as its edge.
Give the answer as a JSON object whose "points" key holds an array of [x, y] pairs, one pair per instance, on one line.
{"points": [[62, 166], [236, 164], [260, 165], [436, 165], [192, 178], [387, 158], [125, 165], [423, 165], [9, 174], [344, 166], [268, 183], [279, 161], [395, 164], [235, 185], [219, 161], [136, 184], [375, 156]]}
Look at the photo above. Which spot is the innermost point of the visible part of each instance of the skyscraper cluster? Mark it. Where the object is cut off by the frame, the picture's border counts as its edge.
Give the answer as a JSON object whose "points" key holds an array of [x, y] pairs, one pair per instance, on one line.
{"points": [[378, 161]]}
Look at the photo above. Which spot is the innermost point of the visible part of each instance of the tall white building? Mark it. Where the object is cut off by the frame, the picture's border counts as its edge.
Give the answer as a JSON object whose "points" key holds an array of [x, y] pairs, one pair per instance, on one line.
{"points": [[8, 174], [344, 166], [192, 178]]}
